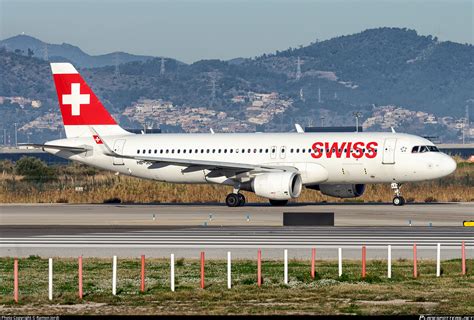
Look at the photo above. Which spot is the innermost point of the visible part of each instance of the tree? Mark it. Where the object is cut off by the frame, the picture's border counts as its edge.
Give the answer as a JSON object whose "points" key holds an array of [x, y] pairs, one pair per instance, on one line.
{"points": [[34, 169], [6, 167]]}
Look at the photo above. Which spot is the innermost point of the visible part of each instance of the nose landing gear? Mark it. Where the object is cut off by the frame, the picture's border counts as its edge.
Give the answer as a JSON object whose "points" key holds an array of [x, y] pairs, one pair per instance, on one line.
{"points": [[398, 200]]}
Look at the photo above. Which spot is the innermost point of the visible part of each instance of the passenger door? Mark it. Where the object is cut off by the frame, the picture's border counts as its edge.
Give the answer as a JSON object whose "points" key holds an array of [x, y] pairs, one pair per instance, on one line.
{"points": [[389, 151], [118, 148]]}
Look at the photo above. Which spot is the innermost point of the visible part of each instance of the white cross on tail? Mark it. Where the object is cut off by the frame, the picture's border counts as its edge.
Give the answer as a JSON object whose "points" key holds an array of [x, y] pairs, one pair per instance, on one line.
{"points": [[75, 99]]}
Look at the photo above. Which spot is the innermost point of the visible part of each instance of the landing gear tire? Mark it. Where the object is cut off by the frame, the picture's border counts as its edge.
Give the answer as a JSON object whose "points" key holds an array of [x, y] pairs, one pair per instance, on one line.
{"points": [[241, 199], [232, 200], [278, 203], [398, 201]]}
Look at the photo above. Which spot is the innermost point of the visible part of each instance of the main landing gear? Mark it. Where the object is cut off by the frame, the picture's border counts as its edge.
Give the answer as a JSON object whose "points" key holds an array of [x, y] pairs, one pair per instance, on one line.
{"points": [[398, 200], [235, 200]]}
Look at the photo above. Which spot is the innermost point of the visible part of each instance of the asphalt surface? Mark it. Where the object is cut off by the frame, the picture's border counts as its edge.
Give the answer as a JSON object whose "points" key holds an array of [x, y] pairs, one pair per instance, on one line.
{"points": [[438, 214], [185, 230], [71, 241]]}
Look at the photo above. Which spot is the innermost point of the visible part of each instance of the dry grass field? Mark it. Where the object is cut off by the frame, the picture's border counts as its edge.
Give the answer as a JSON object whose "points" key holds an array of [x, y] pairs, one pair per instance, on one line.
{"points": [[452, 293], [100, 186]]}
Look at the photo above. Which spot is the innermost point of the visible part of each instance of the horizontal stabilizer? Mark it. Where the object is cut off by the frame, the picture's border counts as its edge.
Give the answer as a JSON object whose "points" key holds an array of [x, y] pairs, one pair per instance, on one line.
{"points": [[50, 146]]}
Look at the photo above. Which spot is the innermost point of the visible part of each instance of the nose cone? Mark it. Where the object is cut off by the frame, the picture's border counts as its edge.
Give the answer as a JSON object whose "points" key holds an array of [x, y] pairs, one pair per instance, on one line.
{"points": [[448, 165]]}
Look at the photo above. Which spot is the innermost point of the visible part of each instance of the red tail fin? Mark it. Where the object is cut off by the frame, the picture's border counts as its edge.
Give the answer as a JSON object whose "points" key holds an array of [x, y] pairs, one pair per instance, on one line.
{"points": [[79, 105]]}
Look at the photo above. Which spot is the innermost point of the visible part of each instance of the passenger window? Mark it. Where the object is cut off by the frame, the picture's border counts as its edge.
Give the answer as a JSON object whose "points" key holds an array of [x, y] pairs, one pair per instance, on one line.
{"points": [[260, 151], [179, 150], [219, 151], [225, 150], [232, 150], [144, 151], [172, 151], [302, 150], [161, 150], [243, 150], [207, 151], [156, 151], [266, 150], [138, 151], [249, 150], [254, 150], [213, 150], [149, 150], [184, 150], [202, 150]]}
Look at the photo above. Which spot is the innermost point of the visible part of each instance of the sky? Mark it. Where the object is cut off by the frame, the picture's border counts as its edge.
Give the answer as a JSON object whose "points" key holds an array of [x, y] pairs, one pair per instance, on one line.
{"points": [[224, 29]]}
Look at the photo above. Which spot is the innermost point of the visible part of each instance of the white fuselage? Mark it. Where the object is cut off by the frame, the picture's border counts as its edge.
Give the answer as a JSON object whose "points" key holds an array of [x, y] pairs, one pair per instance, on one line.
{"points": [[391, 160]]}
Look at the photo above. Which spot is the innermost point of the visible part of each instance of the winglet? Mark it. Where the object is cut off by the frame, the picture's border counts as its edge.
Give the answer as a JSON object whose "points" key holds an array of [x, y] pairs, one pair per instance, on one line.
{"points": [[393, 130], [299, 129], [99, 140]]}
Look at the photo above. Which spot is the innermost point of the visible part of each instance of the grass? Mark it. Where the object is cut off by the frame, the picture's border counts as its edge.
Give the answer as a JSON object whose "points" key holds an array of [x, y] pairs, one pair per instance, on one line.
{"points": [[100, 186], [326, 294]]}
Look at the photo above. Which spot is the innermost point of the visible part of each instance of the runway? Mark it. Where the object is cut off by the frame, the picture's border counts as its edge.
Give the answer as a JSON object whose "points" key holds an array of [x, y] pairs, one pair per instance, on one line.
{"points": [[158, 230], [346, 214], [71, 241]]}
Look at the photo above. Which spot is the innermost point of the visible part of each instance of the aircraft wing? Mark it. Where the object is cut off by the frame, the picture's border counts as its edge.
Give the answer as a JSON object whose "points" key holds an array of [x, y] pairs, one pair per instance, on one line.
{"points": [[50, 146], [210, 165]]}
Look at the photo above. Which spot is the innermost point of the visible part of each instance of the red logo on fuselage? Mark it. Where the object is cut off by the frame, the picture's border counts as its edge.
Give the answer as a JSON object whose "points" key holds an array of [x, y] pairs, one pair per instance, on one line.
{"points": [[97, 139], [355, 150]]}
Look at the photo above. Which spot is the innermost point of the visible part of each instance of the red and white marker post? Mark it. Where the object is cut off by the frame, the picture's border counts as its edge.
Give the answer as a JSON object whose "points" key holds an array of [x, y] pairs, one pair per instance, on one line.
{"points": [[15, 279], [364, 253], [415, 266], [80, 276], [142, 273], [202, 269], [259, 268], [463, 259]]}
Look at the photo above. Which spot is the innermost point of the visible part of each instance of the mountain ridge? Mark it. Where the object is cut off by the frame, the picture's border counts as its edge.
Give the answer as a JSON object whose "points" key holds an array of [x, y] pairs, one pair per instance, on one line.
{"points": [[376, 67], [68, 52]]}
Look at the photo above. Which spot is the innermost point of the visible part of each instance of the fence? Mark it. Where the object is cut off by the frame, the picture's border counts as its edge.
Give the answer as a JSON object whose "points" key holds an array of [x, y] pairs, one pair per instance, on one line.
{"points": [[229, 269]]}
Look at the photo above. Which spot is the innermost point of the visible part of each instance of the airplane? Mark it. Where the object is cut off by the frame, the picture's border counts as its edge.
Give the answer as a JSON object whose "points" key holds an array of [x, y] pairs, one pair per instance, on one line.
{"points": [[275, 166]]}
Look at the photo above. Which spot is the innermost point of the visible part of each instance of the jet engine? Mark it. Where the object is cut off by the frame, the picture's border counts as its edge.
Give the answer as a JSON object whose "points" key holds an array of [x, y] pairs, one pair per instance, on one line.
{"points": [[276, 185], [340, 190]]}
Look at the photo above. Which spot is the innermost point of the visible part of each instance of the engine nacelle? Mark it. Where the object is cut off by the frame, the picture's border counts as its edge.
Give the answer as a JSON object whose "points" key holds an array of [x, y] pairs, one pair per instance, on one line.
{"points": [[276, 185], [341, 190]]}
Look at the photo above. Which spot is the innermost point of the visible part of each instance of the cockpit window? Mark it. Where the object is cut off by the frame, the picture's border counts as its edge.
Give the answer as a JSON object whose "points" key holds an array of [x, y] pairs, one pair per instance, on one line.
{"points": [[423, 149]]}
